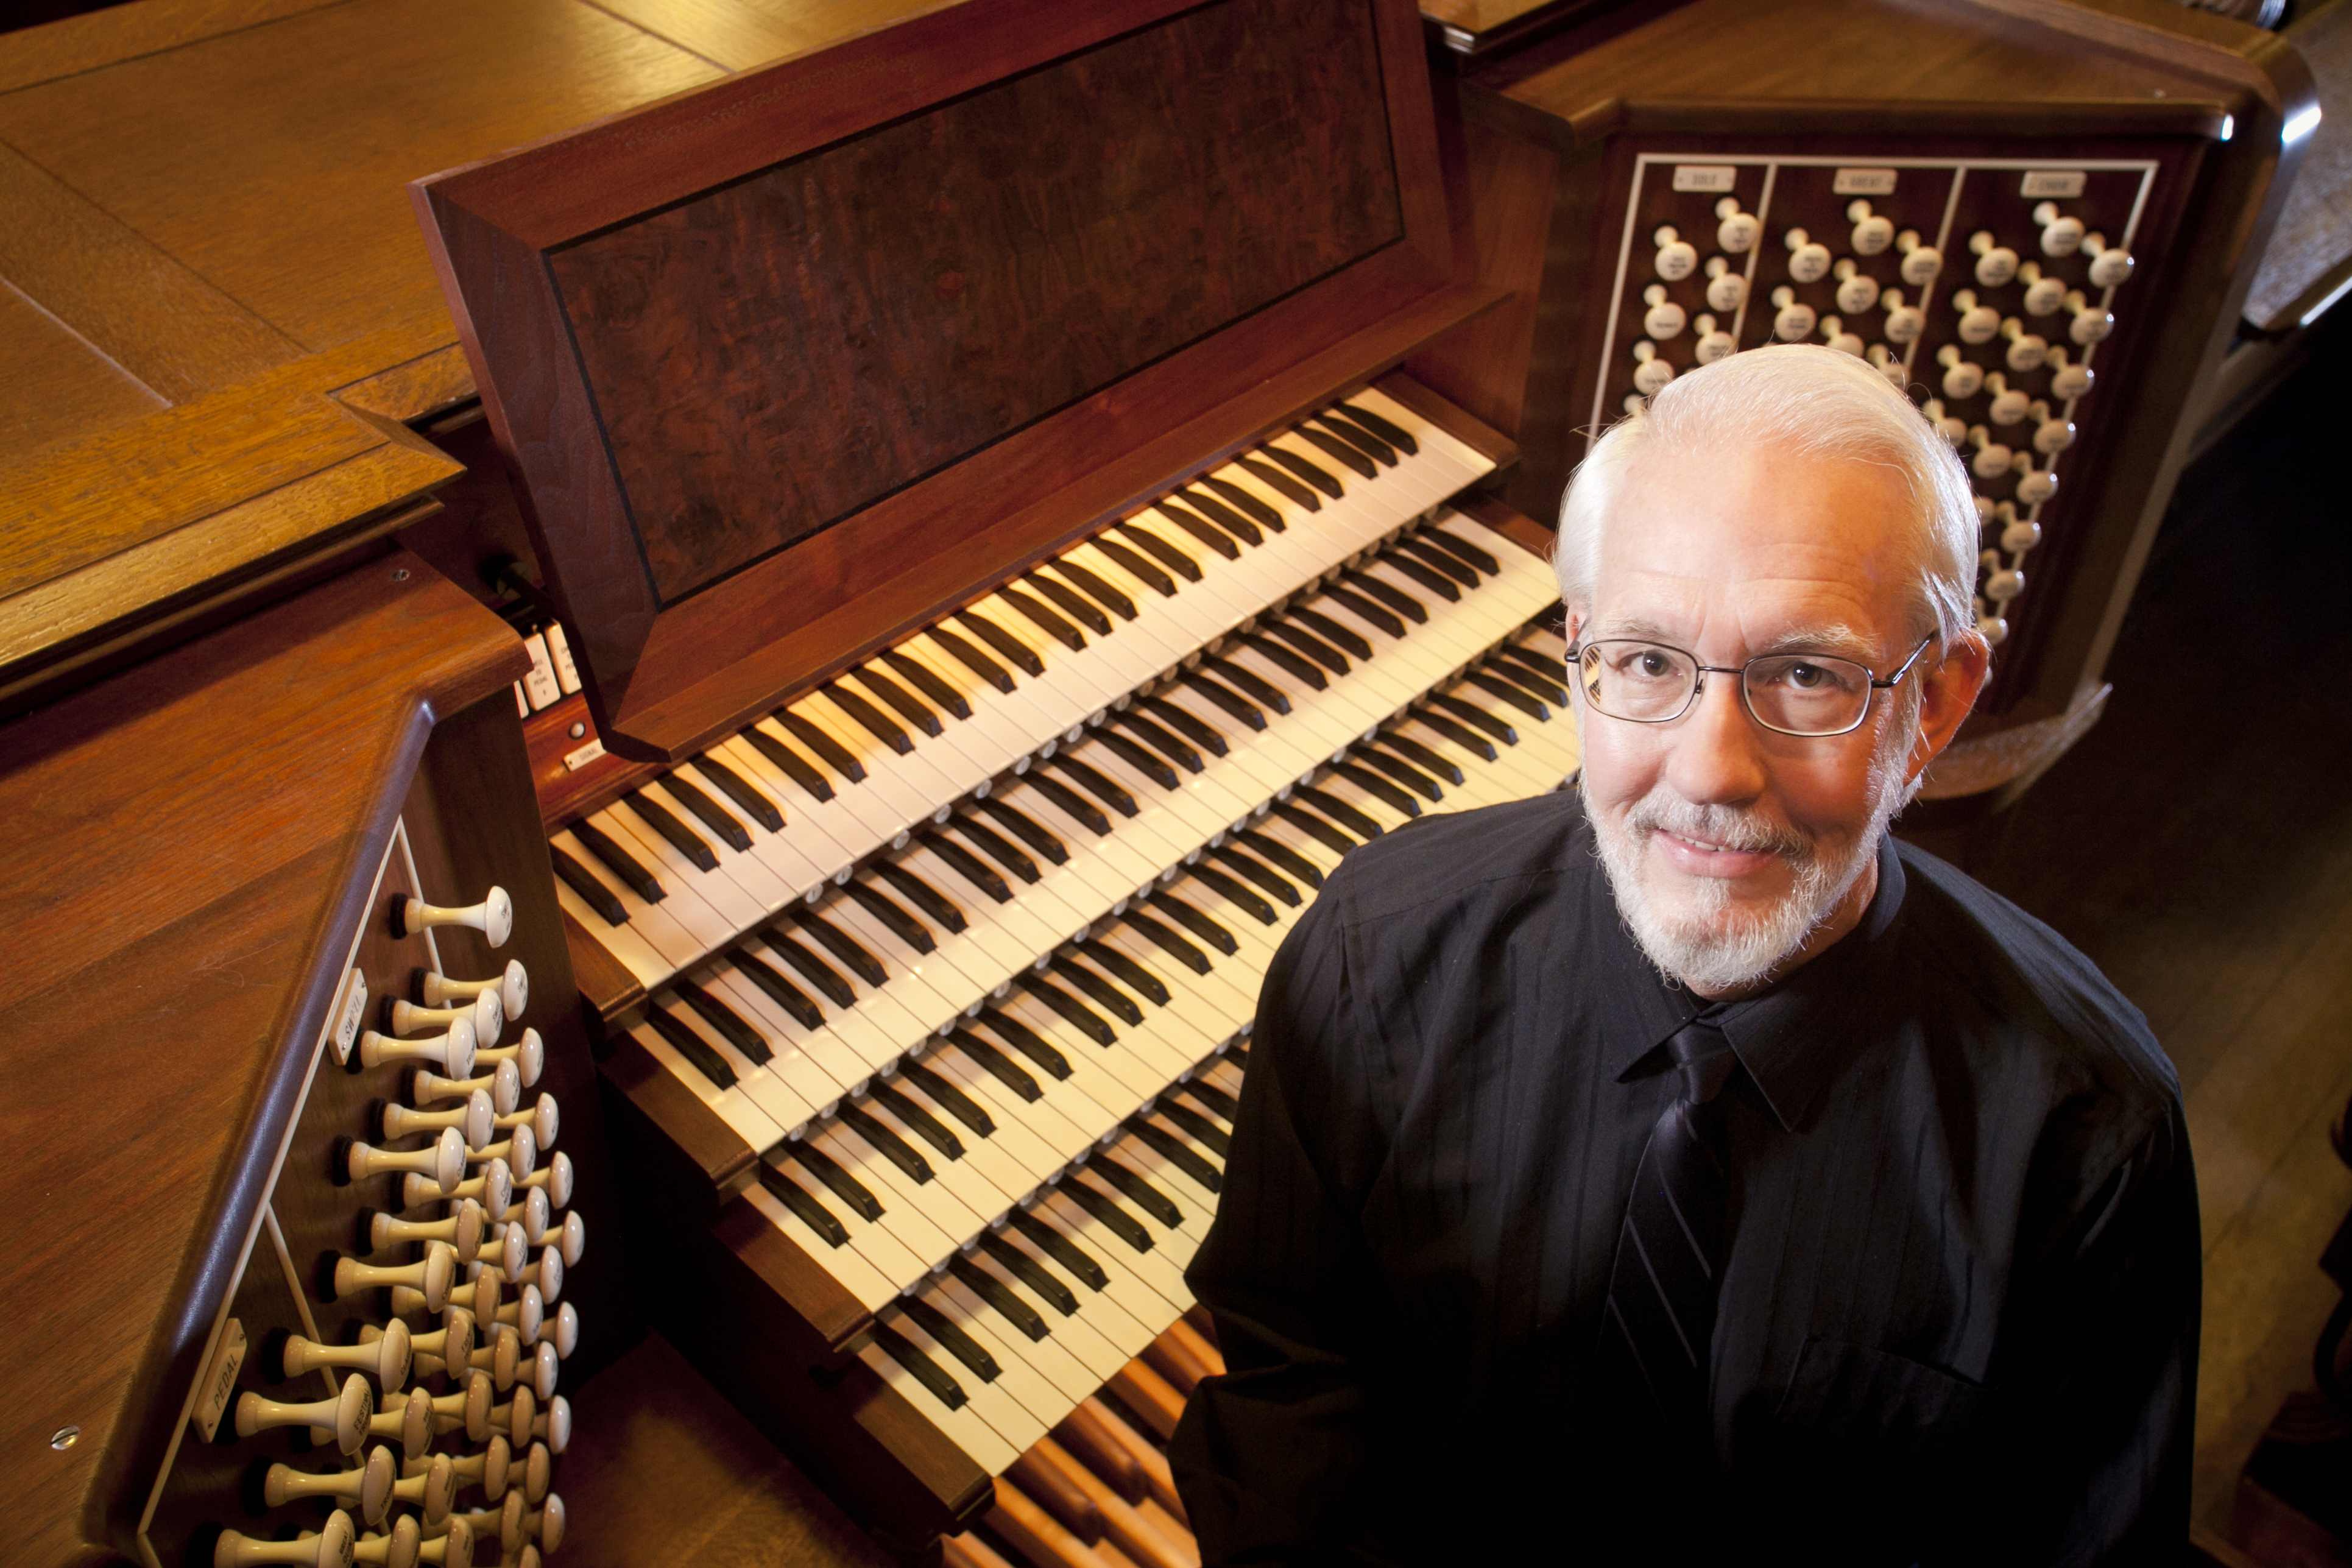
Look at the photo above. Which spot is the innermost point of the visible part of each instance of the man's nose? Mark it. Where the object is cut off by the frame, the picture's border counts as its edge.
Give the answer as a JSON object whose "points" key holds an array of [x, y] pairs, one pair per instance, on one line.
{"points": [[1717, 759]]}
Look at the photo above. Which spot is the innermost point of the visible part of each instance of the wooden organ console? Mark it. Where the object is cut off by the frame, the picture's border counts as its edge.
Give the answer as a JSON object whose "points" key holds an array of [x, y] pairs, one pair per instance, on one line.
{"points": [[967, 589]]}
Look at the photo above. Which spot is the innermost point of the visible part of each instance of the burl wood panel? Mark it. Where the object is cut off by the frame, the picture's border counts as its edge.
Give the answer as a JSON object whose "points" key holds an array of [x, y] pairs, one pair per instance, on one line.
{"points": [[185, 854], [774, 354]]}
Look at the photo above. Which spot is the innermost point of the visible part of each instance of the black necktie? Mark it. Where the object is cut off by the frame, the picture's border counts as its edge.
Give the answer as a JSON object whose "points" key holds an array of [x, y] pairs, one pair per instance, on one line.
{"points": [[1660, 1316]]}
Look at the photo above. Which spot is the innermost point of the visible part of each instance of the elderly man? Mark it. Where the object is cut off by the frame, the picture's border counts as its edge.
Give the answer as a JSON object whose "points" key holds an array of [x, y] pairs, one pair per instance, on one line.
{"points": [[1679, 1168]]}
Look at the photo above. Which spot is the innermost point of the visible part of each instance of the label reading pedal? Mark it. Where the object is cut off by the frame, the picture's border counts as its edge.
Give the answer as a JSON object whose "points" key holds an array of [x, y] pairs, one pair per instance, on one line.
{"points": [[350, 1010], [220, 1379]]}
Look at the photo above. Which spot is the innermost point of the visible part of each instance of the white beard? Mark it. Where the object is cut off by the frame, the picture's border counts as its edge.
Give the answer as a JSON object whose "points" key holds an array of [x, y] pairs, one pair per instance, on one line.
{"points": [[1693, 932]]}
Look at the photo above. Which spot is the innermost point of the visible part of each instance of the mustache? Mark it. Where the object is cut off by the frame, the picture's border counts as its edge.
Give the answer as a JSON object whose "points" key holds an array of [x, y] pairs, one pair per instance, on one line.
{"points": [[1733, 829]]}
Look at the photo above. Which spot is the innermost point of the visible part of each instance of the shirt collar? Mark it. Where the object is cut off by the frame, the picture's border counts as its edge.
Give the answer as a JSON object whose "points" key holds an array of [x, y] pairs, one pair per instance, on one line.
{"points": [[1792, 1039]]}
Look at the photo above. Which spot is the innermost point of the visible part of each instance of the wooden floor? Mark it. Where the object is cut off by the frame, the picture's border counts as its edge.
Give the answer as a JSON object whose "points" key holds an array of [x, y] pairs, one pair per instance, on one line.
{"points": [[2198, 845]]}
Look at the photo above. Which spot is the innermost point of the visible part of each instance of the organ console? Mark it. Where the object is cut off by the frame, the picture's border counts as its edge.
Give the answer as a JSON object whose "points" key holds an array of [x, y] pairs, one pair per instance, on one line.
{"points": [[968, 592]]}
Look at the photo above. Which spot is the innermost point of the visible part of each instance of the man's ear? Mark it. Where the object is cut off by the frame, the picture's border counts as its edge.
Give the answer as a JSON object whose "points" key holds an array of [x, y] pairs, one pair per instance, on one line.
{"points": [[1947, 692]]}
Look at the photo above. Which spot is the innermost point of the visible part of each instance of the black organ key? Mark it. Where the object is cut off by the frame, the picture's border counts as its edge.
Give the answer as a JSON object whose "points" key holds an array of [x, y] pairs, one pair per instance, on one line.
{"points": [[1061, 1250], [742, 791], [1250, 686], [805, 1203], [1104, 992], [619, 861], [1257, 872], [925, 680], [789, 764], [1338, 811], [950, 1338], [1105, 1207], [1168, 941], [1136, 566], [1477, 718], [1032, 1273], [1178, 1153], [1215, 1099], [1525, 670], [900, 700], [1193, 920], [1027, 829], [1387, 430], [1077, 1014], [1235, 893], [1070, 602], [1469, 739], [1020, 655], [1200, 530], [829, 751], [1437, 583], [1364, 610], [895, 920], [870, 719], [844, 1186], [1191, 726], [1389, 594], [1043, 619], [842, 946], [1092, 584], [729, 1024], [1069, 802], [1281, 855], [582, 882], [1400, 771], [886, 1143], [1103, 789], [1362, 439], [968, 866], [1321, 478], [812, 968], [1302, 640], [1503, 690], [1128, 973], [1420, 756], [920, 1367], [1284, 659], [972, 659], [1047, 1056], [1225, 698], [1249, 505], [1371, 783], [1199, 1128], [1002, 1298], [1324, 626], [1225, 517], [1138, 1191], [998, 1066], [950, 1099], [921, 1122], [1158, 739], [1436, 559], [1322, 832], [783, 991], [1469, 552], [663, 821], [996, 846], [1281, 483], [934, 904], [1159, 549], [691, 1046], [712, 815]]}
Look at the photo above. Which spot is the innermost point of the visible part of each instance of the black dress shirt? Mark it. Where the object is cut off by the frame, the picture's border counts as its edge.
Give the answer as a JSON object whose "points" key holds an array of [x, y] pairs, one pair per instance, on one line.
{"points": [[1958, 1315]]}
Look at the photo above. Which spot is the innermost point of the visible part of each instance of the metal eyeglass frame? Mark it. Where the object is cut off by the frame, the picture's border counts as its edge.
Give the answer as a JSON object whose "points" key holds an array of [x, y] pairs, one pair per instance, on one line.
{"points": [[1574, 657]]}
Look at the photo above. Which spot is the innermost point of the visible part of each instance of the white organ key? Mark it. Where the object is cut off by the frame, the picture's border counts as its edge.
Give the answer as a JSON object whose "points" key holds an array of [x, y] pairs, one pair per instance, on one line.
{"points": [[871, 1240], [958, 1176], [1098, 1308], [1046, 1358], [847, 1266], [1037, 1395], [1143, 1305], [733, 1107], [815, 1062], [923, 1216], [911, 792], [963, 1425], [996, 1158], [763, 1088], [990, 1398], [704, 900], [1029, 1132]]}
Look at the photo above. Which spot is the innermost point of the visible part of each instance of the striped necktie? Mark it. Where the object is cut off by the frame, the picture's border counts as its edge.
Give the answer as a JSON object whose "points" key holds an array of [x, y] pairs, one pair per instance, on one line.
{"points": [[1659, 1318]]}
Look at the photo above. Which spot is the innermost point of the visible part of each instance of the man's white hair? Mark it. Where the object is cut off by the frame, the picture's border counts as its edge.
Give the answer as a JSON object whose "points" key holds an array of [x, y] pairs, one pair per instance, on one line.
{"points": [[1794, 397]]}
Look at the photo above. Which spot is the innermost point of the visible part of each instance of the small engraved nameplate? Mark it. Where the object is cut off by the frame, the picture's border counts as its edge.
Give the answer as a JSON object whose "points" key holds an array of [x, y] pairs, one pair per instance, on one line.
{"points": [[220, 1379]]}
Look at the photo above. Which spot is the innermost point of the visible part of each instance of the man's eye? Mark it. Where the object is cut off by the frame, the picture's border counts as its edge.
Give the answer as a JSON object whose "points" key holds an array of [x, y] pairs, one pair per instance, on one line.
{"points": [[1808, 677], [1654, 665]]}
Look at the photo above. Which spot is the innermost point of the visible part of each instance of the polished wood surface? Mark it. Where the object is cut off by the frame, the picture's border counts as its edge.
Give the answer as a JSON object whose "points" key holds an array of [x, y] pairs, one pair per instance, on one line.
{"points": [[565, 320], [183, 843]]}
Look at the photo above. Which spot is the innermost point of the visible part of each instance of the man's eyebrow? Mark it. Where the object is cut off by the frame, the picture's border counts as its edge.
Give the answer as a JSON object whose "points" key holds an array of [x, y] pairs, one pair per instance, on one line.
{"points": [[1834, 637]]}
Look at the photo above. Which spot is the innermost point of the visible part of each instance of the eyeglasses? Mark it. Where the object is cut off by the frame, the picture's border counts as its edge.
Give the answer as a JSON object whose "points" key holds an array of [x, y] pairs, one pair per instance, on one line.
{"points": [[1787, 693]]}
